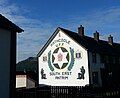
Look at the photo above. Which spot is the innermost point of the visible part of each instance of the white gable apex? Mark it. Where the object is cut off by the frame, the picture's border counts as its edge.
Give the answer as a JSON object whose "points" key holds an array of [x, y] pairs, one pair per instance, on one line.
{"points": [[58, 36]]}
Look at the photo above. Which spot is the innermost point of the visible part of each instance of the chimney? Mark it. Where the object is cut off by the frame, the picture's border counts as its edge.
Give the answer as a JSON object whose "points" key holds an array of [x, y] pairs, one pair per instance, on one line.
{"points": [[81, 30], [110, 40], [96, 36]]}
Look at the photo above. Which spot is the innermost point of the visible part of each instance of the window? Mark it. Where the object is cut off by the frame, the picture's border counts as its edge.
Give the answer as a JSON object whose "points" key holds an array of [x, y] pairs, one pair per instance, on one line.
{"points": [[107, 59], [102, 58], [112, 59], [94, 57], [95, 77]]}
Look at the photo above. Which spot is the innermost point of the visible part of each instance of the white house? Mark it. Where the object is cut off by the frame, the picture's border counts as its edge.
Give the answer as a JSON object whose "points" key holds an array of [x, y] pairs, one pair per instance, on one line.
{"points": [[8, 31], [73, 59], [24, 81]]}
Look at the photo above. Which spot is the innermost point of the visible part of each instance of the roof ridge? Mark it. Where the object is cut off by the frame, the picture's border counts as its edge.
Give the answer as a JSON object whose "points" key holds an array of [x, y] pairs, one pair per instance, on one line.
{"points": [[86, 35]]}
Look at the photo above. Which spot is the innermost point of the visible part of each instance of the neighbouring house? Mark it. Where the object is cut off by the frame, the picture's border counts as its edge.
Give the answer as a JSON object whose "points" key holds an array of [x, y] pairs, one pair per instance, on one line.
{"points": [[74, 59], [8, 33], [26, 73], [25, 81]]}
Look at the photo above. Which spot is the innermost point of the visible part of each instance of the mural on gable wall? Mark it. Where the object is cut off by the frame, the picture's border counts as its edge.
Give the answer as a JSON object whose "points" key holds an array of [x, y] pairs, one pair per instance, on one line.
{"points": [[60, 63]]}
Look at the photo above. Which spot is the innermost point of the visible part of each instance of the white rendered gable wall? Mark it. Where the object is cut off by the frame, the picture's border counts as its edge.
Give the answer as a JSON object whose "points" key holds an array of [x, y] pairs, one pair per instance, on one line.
{"points": [[60, 66]]}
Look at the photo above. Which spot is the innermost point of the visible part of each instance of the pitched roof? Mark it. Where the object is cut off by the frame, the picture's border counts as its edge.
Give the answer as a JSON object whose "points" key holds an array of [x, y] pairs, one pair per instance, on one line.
{"points": [[7, 24], [89, 43]]}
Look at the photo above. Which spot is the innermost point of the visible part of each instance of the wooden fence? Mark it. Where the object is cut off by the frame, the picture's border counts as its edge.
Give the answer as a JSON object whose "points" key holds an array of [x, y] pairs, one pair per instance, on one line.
{"points": [[69, 92]]}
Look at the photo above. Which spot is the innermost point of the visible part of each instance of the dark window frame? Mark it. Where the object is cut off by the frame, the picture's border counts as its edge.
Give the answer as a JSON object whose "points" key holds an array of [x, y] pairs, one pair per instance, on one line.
{"points": [[102, 58]]}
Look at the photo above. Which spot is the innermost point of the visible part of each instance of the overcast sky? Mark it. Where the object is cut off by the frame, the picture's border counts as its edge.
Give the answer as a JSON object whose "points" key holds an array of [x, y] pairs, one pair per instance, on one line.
{"points": [[40, 18]]}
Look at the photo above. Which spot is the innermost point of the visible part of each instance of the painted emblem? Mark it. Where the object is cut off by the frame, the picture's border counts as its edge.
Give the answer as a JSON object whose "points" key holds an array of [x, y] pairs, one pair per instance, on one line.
{"points": [[81, 74], [44, 58], [61, 58], [59, 35], [78, 54], [43, 75]]}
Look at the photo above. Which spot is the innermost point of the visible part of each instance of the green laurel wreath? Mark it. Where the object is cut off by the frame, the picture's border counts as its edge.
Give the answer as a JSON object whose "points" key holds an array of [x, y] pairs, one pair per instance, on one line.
{"points": [[72, 59], [49, 62]]}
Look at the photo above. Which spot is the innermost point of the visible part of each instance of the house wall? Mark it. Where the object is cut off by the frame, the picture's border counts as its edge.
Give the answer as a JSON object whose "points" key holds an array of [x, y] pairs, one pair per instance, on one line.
{"points": [[4, 63], [21, 81], [63, 77], [24, 81], [30, 83], [95, 67]]}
